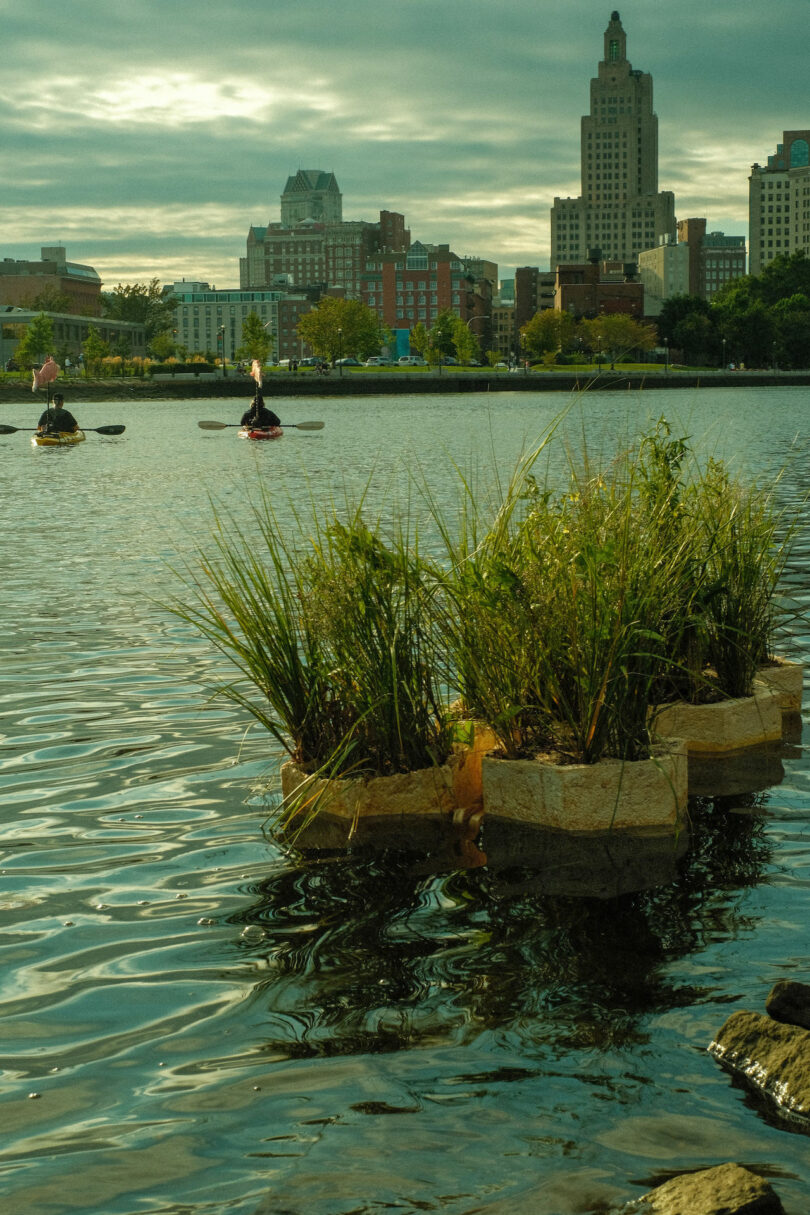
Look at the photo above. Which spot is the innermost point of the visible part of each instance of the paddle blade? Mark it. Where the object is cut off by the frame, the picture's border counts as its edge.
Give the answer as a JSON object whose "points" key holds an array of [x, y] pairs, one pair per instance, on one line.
{"points": [[214, 425], [108, 430], [307, 425], [9, 430]]}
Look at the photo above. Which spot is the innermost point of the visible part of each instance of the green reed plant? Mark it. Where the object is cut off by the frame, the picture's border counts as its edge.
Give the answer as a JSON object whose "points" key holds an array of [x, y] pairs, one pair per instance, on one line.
{"points": [[720, 627], [371, 604], [744, 544], [330, 626], [553, 615]]}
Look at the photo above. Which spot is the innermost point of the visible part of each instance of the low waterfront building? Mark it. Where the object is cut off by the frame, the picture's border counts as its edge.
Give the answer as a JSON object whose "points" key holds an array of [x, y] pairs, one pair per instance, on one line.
{"points": [[70, 332], [21, 282], [208, 320]]}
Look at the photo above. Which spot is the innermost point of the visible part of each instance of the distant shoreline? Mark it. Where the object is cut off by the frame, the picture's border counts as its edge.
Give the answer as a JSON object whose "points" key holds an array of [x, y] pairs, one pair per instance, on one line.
{"points": [[394, 383]]}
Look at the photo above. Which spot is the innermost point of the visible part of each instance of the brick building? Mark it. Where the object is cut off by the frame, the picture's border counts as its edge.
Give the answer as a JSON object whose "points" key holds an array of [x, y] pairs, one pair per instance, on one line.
{"points": [[22, 281]]}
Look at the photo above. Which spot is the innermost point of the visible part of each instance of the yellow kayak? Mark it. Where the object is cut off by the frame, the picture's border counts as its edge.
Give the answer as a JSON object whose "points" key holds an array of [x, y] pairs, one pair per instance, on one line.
{"points": [[62, 438]]}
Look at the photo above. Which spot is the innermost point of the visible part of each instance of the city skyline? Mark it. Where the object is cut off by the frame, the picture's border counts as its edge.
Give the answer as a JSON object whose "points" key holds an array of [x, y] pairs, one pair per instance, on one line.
{"points": [[148, 149]]}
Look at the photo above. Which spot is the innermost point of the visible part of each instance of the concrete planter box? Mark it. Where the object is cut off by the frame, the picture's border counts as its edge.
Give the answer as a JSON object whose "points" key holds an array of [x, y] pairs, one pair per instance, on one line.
{"points": [[727, 725], [608, 796], [430, 791], [786, 679]]}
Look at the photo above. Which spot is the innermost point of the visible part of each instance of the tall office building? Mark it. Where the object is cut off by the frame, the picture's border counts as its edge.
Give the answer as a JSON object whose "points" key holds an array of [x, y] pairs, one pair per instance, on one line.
{"points": [[779, 202], [621, 210], [313, 244], [311, 195]]}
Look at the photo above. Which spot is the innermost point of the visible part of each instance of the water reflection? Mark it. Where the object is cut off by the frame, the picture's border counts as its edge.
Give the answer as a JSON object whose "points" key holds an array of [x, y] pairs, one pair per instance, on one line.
{"points": [[216, 1002], [368, 952]]}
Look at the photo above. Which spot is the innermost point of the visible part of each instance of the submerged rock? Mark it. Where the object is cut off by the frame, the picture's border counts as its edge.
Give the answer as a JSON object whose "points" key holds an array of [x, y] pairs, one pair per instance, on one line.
{"points": [[771, 1057], [727, 1189]]}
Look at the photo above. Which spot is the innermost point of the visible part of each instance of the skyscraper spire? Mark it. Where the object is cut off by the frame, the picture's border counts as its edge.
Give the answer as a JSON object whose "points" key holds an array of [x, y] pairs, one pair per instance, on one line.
{"points": [[620, 210]]}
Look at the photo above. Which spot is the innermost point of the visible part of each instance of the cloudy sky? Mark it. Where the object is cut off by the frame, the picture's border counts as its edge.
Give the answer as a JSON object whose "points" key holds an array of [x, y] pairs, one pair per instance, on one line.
{"points": [[148, 135]]}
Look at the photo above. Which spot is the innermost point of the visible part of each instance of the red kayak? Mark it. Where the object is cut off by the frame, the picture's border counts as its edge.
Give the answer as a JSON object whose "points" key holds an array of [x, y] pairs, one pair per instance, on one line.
{"points": [[261, 432]]}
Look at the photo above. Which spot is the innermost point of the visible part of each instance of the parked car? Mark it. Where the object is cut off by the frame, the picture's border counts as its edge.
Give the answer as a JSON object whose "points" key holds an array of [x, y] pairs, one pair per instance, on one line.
{"points": [[411, 360], [504, 365], [376, 361], [348, 363]]}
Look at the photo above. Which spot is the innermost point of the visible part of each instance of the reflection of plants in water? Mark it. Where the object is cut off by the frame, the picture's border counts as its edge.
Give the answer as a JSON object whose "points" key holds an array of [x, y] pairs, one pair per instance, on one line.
{"points": [[729, 848], [366, 954]]}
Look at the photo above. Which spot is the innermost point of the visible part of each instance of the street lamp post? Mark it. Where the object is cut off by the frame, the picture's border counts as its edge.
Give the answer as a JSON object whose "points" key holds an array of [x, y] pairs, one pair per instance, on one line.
{"points": [[222, 350], [482, 316], [724, 354], [666, 356], [340, 352]]}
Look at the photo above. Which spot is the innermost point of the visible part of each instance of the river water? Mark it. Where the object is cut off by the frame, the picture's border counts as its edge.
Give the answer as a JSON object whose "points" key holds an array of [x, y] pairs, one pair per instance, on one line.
{"points": [[195, 1018]]}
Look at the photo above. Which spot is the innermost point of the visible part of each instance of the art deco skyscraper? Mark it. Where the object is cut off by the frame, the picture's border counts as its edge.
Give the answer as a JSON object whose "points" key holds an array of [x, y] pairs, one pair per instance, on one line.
{"points": [[620, 211]]}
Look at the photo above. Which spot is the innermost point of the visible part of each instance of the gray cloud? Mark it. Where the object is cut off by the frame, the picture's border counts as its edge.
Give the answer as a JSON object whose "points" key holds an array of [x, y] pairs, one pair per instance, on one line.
{"points": [[149, 137]]}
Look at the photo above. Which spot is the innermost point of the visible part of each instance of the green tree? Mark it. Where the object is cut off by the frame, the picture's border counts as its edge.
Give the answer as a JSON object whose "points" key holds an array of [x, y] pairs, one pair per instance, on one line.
{"points": [[337, 328], [792, 326], [420, 339], [95, 348], [676, 309], [163, 346], [696, 337], [618, 334], [748, 326], [785, 276], [142, 303], [550, 329], [465, 343], [256, 341], [762, 316], [441, 332], [37, 341]]}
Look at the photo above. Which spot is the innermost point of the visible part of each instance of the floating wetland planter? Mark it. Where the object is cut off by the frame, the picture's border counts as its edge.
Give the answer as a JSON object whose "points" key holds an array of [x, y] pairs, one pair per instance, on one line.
{"points": [[786, 679], [725, 726], [429, 791], [611, 795]]}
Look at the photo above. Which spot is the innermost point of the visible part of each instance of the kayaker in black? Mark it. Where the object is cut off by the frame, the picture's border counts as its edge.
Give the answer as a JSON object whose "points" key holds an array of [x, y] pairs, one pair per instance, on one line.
{"points": [[259, 415], [56, 418]]}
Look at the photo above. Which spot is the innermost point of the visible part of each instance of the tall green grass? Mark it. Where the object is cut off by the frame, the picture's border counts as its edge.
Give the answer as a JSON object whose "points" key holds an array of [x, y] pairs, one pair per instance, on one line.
{"points": [[330, 625], [553, 615]]}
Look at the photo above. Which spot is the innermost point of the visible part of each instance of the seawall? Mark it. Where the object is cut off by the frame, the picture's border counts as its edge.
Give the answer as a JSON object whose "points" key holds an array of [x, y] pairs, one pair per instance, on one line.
{"points": [[394, 383]]}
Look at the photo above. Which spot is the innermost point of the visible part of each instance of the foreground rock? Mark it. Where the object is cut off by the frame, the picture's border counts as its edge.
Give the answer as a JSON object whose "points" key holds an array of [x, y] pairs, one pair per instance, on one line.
{"points": [[727, 1189], [771, 1057]]}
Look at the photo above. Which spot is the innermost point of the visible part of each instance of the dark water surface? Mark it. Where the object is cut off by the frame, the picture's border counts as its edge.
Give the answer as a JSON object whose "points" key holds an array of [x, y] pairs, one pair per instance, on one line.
{"points": [[214, 1023]]}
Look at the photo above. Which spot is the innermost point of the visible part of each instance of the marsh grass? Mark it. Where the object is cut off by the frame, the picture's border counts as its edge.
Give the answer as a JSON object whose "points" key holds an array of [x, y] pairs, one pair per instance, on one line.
{"points": [[555, 630], [743, 545], [568, 615], [330, 626]]}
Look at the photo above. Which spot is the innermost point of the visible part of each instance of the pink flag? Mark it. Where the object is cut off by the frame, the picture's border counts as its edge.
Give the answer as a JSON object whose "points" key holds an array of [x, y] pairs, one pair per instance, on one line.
{"points": [[47, 372], [256, 371]]}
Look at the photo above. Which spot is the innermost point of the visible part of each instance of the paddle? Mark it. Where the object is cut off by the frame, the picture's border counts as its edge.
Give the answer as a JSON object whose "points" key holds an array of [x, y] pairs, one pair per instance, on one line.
{"points": [[101, 430], [294, 425]]}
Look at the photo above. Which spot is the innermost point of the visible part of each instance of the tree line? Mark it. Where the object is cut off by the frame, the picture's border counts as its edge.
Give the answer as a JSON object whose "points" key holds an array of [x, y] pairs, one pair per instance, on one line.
{"points": [[758, 320]]}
